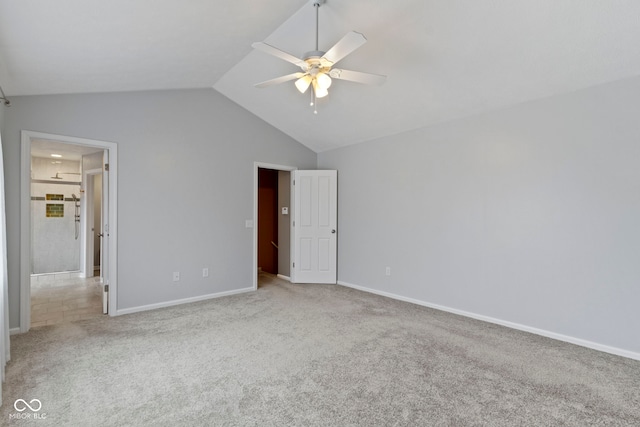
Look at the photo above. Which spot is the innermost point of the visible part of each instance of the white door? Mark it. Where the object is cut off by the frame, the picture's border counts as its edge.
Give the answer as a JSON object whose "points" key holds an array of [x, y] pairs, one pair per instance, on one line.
{"points": [[104, 242], [314, 227]]}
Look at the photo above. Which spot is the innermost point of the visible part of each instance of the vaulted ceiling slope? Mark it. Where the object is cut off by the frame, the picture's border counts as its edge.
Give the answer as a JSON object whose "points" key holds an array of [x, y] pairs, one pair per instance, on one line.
{"points": [[444, 59]]}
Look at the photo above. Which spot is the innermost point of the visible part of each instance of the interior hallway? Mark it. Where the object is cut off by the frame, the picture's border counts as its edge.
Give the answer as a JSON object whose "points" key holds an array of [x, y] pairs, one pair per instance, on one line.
{"points": [[63, 297], [265, 279]]}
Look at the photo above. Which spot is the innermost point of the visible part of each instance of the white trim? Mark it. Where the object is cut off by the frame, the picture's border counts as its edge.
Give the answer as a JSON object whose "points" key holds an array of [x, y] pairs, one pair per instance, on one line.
{"points": [[25, 220], [560, 337], [25, 233], [283, 277], [256, 166], [14, 331], [182, 301]]}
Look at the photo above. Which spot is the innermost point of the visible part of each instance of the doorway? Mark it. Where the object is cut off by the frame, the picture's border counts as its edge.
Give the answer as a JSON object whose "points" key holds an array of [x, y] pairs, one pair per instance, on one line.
{"points": [[272, 221], [268, 221], [67, 216], [59, 289], [96, 226], [92, 226]]}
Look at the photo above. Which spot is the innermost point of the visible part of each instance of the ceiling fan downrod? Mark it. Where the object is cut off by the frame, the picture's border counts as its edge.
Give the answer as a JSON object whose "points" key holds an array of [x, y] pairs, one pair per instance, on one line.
{"points": [[317, 4], [313, 70]]}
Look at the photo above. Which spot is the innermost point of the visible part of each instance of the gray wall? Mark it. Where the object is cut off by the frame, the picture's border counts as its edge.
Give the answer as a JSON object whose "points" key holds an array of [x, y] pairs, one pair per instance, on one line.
{"points": [[529, 215], [284, 223], [185, 184]]}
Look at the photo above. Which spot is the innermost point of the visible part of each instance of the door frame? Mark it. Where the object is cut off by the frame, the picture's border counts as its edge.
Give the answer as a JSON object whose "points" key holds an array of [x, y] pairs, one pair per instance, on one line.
{"points": [[25, 220], [256, 166], [87, 245]]}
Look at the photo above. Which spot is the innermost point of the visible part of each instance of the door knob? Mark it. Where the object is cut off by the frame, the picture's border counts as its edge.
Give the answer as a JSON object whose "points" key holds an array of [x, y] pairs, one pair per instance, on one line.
{"points": [[333, 231], [100, 235]]}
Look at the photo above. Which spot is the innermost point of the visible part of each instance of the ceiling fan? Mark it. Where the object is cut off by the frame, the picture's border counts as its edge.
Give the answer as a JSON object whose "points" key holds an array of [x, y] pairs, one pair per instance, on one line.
{"points": [[317, 66]]}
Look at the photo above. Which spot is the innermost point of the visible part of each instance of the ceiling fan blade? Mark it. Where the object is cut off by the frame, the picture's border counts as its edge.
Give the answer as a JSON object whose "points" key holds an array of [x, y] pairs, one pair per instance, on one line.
{"points": [[357, 76], [278, 80], [274, 51], [345, 46]]}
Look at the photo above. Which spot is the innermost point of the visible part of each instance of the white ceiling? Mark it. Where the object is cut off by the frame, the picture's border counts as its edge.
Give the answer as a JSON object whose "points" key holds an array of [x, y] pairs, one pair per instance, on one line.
{"points": [[46, 147], [444, 59]]}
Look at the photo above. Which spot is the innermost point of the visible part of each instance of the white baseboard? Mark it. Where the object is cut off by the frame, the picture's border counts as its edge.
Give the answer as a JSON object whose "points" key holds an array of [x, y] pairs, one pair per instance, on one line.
{"points": [[283, 277], [512, 325], [181, 301], [14, 331]]}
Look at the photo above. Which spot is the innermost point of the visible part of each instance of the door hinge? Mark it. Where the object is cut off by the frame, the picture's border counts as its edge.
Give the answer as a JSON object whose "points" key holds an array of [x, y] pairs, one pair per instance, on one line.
{"points": [[106, 167], [294, 265], [294, 182], [106, 288], [294, 223]]}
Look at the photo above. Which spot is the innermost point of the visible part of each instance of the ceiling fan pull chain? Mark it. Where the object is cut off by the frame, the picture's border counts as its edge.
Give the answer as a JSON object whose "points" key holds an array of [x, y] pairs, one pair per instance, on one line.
{"points": [[313, 102]]}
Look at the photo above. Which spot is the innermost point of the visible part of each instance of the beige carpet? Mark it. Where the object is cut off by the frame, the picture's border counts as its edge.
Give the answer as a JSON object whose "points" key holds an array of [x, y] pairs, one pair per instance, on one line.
{"points": [[311, 355]]}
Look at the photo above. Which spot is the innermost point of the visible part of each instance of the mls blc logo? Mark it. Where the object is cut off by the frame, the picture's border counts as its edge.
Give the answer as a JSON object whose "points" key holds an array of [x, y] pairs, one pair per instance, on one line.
{"points": [[34, 405], [21, 405]]}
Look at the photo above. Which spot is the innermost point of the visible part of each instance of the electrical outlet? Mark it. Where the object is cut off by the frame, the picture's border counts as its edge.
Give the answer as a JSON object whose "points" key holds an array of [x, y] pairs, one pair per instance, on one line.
{"points": [[387, 271], [176, 276], [205, 272]]}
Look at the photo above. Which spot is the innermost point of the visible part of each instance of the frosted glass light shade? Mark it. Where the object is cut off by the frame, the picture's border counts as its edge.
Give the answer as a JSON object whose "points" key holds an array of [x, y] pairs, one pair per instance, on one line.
{"points": [[324, 81], [319, 90], [302, 84]]}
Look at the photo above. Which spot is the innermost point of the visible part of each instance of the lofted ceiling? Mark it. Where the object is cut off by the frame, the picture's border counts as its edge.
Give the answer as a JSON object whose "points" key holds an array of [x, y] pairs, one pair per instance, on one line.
{"points": [[444, 59]]}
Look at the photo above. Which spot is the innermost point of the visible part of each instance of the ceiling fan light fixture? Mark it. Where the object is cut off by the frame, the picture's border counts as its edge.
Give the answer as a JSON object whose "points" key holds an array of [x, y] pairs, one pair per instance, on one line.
{"points": [[316, 65], [320, 91], [324, 81], [302, 84]]}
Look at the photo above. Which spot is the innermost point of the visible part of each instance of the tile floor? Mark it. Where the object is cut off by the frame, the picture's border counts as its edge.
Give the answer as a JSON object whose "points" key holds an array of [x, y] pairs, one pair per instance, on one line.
{"points": [[63, 297]]}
